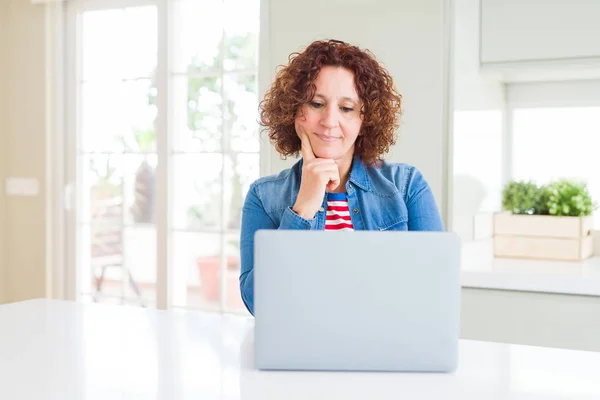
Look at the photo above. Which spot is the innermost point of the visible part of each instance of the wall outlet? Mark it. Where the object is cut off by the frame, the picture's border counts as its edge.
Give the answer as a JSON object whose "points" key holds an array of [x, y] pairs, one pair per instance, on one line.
{"points": [[22, 187]]}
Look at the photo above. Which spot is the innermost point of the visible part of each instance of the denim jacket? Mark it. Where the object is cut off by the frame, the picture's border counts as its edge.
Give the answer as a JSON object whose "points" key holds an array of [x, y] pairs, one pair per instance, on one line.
{"points": [[392, 196]]}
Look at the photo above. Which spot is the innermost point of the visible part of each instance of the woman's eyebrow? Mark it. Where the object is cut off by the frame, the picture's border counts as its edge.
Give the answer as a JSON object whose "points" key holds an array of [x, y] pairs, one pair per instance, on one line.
{"points": [[343, 98]]}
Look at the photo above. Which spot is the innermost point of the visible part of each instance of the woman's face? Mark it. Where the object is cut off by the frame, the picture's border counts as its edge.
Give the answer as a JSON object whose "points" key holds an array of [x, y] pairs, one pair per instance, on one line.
{"points": [[332, 119]]}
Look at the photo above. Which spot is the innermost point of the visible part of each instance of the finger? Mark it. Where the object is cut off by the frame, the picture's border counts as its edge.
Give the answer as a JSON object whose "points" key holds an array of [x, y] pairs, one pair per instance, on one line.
{"points": [[334, 182], [324, 164], [323, 170], [330, 175], [334, 178], [306, 148]]}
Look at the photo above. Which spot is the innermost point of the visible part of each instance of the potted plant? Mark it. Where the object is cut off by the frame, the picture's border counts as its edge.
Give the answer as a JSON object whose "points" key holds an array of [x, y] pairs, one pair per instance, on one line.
{"points": [[552, 221], [209, 266], [568, 198], [522, 197], [209, 271]]}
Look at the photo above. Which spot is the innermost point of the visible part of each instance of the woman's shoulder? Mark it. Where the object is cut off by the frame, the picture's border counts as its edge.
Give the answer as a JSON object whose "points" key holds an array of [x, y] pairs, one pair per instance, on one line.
{"points": [[274, 188], [395, 167], [283, 175], [401, 175]]}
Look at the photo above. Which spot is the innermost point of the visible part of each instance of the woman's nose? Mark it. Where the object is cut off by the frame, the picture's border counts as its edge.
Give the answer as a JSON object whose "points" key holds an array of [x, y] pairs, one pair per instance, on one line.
{"points": [[330, 117]]}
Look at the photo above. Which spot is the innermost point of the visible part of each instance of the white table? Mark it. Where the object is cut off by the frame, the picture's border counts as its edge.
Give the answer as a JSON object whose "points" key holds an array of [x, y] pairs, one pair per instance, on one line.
{"points": [[64, 350]]}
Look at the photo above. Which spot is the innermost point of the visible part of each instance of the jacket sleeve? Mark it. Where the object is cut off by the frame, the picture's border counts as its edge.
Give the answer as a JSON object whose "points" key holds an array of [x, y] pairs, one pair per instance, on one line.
{"points": [[423, 213], [254, 218]]}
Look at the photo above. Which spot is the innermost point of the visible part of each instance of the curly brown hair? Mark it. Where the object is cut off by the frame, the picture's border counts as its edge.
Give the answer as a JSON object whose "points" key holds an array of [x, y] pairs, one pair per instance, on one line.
{"points": [[294, 86]]}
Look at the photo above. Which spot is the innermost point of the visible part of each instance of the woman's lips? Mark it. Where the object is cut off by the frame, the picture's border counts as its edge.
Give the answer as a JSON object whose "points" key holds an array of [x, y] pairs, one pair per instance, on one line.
{"points": [[326, 138]]}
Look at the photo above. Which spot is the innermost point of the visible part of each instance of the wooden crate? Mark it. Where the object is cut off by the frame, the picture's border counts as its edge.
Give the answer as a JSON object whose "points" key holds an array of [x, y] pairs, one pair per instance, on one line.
{"points": [[543, 237]]}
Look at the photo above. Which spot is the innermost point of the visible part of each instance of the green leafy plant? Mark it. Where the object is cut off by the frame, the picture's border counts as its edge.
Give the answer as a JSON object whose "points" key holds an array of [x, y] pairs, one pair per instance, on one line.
{"points": [[521, 197], [542, 207], [569, 198], [563, 197]]}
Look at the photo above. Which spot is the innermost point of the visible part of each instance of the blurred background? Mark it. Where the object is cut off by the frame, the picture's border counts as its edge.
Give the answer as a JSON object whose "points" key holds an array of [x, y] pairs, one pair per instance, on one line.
{"points": [[129, 137]]}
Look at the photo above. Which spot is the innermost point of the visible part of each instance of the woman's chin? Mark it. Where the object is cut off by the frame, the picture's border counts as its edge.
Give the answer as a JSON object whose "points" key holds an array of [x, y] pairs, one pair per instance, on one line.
{"points": [[327, 153]]}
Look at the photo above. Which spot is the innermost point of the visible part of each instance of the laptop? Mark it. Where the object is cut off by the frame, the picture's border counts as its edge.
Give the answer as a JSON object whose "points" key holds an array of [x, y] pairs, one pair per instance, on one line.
{"points": [[356, 301]]}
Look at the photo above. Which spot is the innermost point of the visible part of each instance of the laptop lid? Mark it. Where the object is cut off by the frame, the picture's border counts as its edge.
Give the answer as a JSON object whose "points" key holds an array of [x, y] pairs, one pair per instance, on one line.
{"points": [[363, 300]]}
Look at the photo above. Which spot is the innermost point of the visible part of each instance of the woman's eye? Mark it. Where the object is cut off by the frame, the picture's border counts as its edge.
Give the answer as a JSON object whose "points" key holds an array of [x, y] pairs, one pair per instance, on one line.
{"points": [[315, 104], [347, 109]]}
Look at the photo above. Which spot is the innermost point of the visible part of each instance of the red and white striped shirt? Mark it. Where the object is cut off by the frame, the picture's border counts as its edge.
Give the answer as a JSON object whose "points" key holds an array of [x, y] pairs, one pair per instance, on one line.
{"points": [[338, 213]]}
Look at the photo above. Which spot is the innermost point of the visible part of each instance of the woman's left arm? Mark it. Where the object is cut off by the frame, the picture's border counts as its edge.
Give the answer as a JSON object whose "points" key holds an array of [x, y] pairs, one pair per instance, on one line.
{"points": [[423, 213]]}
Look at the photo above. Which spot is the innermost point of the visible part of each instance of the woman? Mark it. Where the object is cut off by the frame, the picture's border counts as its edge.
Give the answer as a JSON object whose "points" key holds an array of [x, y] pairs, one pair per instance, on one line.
{"points": [[334, 104]]}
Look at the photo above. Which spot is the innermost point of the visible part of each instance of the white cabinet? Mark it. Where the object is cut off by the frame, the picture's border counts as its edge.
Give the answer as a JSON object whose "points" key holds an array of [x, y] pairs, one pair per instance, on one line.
{"points": [[523, 31]]}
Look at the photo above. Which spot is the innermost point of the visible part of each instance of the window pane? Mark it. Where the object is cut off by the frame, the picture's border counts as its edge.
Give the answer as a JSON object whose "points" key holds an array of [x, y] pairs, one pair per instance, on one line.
{"points": [[197, 35], [117, 264], [139, 247], [140, 42], [102, 248], [214, 154], [240, 171], [241, 112], [113, 49], [241, 34], [139, 187], [477, 161], [553, 143], [101, 48], [118, 116], [137, 235], [99, 132], [197, 113], [102, 179], [198, 195], [196, 263], [117, 239]]}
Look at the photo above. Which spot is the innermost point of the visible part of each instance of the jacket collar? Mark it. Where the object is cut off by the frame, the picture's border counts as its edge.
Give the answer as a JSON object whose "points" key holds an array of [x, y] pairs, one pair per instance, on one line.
{"points": [[358, 174]]}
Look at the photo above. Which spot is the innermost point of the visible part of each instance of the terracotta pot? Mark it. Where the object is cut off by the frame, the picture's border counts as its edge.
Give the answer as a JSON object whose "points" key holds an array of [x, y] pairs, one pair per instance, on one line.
{"points": [[209, 273]]}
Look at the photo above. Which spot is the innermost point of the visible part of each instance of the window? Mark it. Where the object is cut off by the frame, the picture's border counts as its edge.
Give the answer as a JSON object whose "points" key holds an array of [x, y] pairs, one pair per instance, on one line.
{"points": [[557, 142], [477, 161], [211, 157], [555, 132], [544, 131]]}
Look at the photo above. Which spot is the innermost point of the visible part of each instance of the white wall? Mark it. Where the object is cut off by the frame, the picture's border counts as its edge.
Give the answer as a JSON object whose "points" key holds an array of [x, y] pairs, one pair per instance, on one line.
{"points": [[22, 149], [472, 91], [477, 127], [579, 93], [407, 36], [541, 40], [3, 139], [538, 30]]}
